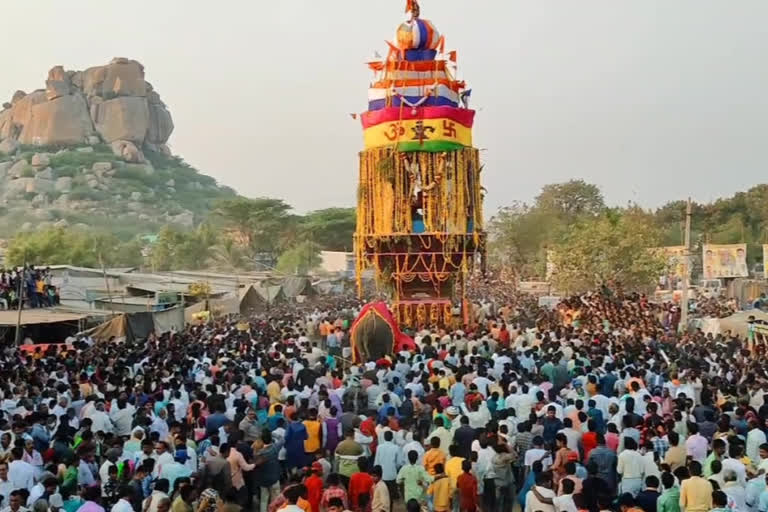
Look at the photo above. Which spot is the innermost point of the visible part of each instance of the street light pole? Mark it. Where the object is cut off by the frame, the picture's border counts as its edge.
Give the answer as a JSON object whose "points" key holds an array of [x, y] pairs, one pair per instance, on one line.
{"points": [[686, 268]]}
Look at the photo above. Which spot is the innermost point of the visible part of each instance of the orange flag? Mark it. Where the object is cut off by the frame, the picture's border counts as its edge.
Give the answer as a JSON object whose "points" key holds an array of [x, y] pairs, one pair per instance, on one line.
{"points": [[452, 56]]}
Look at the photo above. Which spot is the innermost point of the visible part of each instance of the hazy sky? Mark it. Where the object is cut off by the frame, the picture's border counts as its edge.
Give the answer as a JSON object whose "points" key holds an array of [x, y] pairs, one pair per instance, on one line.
{"points": [[650, 99]]}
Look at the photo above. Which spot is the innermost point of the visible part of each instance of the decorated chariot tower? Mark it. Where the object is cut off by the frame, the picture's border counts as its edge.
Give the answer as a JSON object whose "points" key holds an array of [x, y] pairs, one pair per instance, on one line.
{"points": [[419, 210]]}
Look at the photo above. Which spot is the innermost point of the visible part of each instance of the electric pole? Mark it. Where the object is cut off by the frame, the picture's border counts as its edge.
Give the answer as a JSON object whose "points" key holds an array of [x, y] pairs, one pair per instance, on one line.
{"points": [[686, 268]]}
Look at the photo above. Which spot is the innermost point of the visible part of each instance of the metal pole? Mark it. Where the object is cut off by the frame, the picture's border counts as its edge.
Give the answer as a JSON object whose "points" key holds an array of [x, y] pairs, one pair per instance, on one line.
{"points": [[21, 302], [106, 283], [686, 268]]}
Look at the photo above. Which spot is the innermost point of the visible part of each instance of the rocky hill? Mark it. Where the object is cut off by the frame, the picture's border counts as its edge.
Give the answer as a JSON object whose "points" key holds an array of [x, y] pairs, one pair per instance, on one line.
{"points": [[91, 149]]}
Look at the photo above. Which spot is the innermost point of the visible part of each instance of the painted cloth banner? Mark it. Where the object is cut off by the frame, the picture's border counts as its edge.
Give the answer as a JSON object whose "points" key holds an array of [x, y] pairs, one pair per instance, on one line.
{"points": [[426, 129], [403, 65], [725, 261], [418, 34], [765, 261], [434, 95]]}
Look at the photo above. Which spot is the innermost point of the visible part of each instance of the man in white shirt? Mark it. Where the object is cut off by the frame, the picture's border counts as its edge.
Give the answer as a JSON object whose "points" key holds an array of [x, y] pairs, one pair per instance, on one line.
{"points": [[124, 503], [21, 474], [101, 422], [538, 453], [572, 435], [5, 484], [121, 413], [542, 489], [631, 467]]}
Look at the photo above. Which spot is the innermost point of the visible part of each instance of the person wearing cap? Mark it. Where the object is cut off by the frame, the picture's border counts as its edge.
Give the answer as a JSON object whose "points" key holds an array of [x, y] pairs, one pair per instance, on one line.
{"points": [[176, 469], [314, 485]]}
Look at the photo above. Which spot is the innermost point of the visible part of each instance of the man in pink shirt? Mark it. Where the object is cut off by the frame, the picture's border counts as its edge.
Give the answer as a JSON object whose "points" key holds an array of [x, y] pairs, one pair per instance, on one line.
{"points": [[237, 465], [696, 445]]}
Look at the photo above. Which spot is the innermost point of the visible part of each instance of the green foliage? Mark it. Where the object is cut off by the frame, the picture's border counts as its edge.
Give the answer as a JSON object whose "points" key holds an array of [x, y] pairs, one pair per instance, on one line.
{"points": [[63, 246], [28, 172], [612, 250], [85, 193], [77, 159], [178, 249], [332, 229], [264, 225], [300, 259], [571, 199], [69, 171]]}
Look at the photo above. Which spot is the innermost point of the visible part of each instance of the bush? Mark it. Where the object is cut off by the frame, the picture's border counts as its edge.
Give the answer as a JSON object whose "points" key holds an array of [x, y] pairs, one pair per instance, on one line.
{"points": [[66, 171], [76, 159], [84, 193], [28, 172]]}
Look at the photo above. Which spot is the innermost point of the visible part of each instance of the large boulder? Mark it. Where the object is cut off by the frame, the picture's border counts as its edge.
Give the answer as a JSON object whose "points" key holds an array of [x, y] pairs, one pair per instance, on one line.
{"points": [[64, 120], [58, 73], [160, 124], [18, 168], [56, 89], [63, 184], [42, 186], [6, 117], [124, 77], [19, 186], [93, 80], [128, 151], [4, 166], [21, 113], [8, 146], [40, 160], [46, 174], [125, 118], [17, 96], [101, 167]]}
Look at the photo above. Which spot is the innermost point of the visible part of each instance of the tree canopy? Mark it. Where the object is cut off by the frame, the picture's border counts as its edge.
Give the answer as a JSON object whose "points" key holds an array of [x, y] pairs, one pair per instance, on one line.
{"points": [[521, 235], [62, 246], [613, 249]]}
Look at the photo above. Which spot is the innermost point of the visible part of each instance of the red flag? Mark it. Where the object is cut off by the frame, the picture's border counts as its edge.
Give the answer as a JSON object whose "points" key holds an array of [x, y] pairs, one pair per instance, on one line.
{"points": [[409, 6], [394, 49], [452, 56]]}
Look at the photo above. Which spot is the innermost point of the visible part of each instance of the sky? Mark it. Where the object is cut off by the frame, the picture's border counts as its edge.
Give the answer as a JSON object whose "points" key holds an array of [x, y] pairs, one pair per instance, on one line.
{"points": [[652, 100]]}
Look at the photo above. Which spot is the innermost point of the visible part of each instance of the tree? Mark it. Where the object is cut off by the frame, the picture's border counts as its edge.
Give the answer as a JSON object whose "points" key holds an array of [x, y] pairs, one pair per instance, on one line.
{"points": [[264, 225], [520, 235], [612, 250], [300, 259], [177, 249], [227, 255], [67, 246], [332, 229], [571, 199]]}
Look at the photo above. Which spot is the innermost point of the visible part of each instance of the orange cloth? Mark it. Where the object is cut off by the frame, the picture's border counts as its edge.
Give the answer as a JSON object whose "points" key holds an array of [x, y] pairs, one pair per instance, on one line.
{"points": [[314, 485], [314, 430], [433, 457]]}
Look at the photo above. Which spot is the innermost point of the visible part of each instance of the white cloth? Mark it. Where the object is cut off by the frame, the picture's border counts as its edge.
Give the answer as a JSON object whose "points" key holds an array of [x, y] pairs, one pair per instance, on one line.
{"points": [[21, 474], [532, 504]]}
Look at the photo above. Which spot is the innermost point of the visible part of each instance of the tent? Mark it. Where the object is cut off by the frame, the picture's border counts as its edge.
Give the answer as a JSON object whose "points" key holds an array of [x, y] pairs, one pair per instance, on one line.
{"points": [[295, 286], [375, 334], [737, 322]]}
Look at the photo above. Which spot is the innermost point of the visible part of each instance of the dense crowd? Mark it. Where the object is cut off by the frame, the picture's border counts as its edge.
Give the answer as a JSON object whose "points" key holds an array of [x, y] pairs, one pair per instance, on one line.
{"points": [[33, 284], [596, 405]]}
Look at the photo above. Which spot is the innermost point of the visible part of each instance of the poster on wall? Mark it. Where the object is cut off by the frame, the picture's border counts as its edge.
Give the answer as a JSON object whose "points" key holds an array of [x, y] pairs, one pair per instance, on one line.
{"points": [[725, 261], [675, 258], [765, 260]]}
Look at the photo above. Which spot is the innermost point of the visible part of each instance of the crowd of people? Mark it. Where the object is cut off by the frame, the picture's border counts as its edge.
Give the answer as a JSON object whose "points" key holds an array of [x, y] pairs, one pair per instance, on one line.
{"points": [[33, 284], [596, 405]]}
